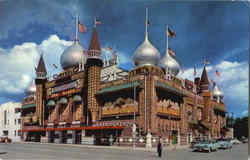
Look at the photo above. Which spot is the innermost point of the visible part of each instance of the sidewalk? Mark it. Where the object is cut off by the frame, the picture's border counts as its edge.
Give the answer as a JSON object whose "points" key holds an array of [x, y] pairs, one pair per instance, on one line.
{"points": [[112, 147]]}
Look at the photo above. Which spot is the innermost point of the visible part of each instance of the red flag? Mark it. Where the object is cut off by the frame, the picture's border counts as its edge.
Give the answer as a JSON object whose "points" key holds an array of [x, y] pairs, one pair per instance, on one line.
{"points": [[171, 52], [97, 22], [206, 61], [171, 33], [108, 48], [195, 72], [217, 73], [81, 27]]}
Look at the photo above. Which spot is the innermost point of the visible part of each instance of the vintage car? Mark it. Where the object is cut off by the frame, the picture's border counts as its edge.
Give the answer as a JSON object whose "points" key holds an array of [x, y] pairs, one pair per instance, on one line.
{"points": [[5, 140], [223, 144], [208, 146], [235, 141], [245, 140]]}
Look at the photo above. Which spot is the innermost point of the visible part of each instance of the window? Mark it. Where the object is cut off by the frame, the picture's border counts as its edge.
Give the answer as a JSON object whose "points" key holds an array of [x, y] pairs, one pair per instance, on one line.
{"points": [[19, 133], [8, 121], [15, 133], [15, 121], [19, 121], [5, 117]]}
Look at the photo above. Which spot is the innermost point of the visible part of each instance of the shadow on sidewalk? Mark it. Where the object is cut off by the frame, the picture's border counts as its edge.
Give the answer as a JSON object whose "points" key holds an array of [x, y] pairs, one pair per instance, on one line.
{"points": [[3, 152]]}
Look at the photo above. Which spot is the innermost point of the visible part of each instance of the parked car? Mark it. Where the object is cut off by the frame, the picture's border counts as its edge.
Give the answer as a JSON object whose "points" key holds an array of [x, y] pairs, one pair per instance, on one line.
{"points": [[245, 140], [208, 146], [223, 144], [235, 141], [5, 140], [193, 143]]}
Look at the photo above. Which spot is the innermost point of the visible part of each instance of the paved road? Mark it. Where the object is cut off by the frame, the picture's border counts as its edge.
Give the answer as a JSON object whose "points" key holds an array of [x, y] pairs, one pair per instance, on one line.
{"points": [[68, 152]]}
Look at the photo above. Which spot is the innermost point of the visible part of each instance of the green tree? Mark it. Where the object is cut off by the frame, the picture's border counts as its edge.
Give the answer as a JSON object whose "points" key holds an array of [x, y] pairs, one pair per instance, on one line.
{"points": [[240, 126]]}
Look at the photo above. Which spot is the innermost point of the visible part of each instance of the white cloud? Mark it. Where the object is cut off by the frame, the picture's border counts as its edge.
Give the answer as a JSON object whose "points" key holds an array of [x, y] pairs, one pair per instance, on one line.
{"points": [[233, 79], [18, 63], [244, 113]]}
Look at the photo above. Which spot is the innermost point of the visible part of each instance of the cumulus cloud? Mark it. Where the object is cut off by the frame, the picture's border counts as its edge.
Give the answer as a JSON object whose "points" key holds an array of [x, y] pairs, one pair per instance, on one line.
{"points": [[244, 113], [18, 63], [233, 79]]}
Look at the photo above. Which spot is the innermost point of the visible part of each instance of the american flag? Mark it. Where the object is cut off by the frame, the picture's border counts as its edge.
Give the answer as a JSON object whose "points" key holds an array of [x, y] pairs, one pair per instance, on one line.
{"points": [[81, 27], [171, 52], [171, 33], [54, 65], [206, 62], [108, 48], [98, 22], [217, 73]]}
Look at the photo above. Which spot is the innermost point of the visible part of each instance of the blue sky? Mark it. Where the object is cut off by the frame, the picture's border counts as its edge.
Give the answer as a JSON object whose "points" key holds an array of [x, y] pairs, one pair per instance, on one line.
{"points": [[218, 31]]}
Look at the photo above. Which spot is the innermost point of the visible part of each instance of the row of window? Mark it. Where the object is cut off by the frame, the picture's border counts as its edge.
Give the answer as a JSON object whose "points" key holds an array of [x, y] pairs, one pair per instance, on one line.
{"points": [[17, 121]]}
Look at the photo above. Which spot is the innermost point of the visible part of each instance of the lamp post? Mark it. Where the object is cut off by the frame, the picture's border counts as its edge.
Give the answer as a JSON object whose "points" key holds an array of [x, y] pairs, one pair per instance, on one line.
{"points": [[134, 124]]}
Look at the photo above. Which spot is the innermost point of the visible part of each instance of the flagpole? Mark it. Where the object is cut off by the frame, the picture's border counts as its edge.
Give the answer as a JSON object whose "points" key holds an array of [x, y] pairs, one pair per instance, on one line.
{"points": [[146, 34], [76, 38], [167, 39], [95, 23]]}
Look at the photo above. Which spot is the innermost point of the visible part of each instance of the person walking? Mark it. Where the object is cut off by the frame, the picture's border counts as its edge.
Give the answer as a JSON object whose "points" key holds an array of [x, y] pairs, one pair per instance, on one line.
{"points": [[159, 149]]}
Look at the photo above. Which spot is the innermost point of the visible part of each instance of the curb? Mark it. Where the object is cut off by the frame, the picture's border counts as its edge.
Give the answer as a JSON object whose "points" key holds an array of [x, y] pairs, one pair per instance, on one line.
{"points": [[111, 147]]}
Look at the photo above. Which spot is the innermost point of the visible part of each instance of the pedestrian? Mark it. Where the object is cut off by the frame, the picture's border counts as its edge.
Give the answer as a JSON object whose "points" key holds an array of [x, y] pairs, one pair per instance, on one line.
{"points": [[159, 148]]}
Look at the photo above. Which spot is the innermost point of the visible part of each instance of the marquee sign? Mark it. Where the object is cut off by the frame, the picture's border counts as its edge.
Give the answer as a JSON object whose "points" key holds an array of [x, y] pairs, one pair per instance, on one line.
{"points": [[114, 123], [64, 87]]}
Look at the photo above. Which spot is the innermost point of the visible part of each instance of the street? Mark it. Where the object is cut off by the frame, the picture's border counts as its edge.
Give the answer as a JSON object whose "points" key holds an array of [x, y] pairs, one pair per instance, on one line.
{"points": [[66, 152]]}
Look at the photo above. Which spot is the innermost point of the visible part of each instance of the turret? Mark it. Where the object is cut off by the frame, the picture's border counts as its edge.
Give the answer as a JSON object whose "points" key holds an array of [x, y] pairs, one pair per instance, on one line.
{"points": [[94, 65]]}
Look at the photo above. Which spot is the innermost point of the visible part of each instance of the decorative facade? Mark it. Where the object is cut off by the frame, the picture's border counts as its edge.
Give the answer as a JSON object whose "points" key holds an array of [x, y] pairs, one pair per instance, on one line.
{"points": [[96, 102]]}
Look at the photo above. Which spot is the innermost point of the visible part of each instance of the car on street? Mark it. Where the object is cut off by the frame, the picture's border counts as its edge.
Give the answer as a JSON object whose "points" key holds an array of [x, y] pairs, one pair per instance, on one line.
{"points": [[245, 140], [208, 146], [223, 144], [235, 141], [5, 140]]}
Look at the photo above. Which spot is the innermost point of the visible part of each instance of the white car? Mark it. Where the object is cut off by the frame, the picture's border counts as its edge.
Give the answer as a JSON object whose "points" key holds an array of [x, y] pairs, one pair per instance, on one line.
{"points": [[235, 141]]}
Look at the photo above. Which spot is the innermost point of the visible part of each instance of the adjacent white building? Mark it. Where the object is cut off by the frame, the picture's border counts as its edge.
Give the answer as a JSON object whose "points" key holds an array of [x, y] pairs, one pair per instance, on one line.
{"points": [[10, 121]]}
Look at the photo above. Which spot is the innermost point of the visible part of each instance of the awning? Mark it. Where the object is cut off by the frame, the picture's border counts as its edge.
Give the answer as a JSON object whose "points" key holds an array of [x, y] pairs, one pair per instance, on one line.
{"points": [[72, 128], [163, 85], [118, 87], [220, 108], [77, 98], [51, 103], [29, 106], [63, 100]]}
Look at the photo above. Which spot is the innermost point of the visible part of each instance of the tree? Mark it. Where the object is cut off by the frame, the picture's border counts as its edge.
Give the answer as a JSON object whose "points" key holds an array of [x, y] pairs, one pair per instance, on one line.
{"points": [[240, 126]]}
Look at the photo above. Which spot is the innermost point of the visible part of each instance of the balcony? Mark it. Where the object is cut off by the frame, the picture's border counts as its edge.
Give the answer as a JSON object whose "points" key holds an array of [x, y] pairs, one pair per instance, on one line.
{"points": [[30, 119], [168, 111], [123, 110]]}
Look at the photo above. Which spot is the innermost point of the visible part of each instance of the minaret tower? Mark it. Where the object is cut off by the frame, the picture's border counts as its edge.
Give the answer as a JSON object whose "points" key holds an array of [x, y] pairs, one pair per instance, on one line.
{"points": [[94, 65], [40, 89], [204, 89]]}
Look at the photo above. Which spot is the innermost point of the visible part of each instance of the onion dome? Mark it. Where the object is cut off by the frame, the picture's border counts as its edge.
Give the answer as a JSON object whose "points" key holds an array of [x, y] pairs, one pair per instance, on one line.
{"points": [[146, 53], [31, 90], [170, 64], [216, 92], [73, 56]]}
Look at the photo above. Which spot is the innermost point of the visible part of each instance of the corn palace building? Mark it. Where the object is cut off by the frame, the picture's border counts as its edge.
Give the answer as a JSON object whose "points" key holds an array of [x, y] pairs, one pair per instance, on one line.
{"points": [[94, 101]]}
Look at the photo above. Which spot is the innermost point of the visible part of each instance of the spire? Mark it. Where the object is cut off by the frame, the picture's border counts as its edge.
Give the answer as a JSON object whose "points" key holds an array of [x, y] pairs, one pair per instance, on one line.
{"points": [[204, 83], [147, 23], [94, 43], [41, 69], [204, 78]]}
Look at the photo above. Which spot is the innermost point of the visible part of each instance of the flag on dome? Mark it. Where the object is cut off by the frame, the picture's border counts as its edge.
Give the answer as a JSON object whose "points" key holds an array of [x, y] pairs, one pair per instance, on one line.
{"points": [[195, 72], [171, 52], [206, 62], [148, 23], [81, 27], [217, 73], [171, 33], [108, 48], [54, 65], [97, 22]]}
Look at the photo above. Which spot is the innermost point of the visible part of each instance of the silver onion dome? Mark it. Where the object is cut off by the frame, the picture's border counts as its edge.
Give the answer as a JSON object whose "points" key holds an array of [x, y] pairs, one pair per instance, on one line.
{"points": [[31, 90], [170, 64], [146, 54], [216, 92], [73, 56]]}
